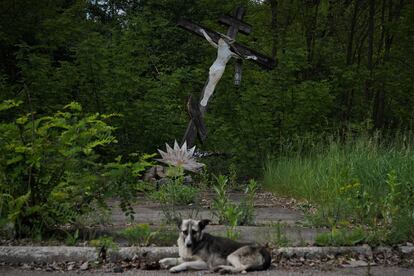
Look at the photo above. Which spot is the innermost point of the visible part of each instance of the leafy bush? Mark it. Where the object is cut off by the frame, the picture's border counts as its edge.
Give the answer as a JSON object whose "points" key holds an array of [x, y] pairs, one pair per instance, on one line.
{"points": [[50, 168]]}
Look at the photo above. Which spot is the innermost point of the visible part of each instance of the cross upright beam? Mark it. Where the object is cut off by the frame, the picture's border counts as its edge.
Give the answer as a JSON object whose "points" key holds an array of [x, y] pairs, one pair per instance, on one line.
{"points": [[235, 23]]}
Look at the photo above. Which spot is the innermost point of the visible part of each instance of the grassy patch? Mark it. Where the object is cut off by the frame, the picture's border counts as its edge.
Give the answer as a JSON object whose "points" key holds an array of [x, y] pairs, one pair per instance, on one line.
{"points": [[363, 181], [143, 235], [341, 237]]}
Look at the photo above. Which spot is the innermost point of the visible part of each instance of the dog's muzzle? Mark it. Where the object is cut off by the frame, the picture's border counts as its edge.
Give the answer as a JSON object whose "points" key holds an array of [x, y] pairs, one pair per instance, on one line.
{"points": [[188, 242]]}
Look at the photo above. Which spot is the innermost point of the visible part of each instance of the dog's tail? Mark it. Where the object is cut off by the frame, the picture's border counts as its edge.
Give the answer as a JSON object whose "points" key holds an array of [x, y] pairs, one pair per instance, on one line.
{"points": [[267, 260]]}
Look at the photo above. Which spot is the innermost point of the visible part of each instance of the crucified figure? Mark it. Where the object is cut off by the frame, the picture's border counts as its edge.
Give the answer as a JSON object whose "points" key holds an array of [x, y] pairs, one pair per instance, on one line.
{"points": [[224, 53]]}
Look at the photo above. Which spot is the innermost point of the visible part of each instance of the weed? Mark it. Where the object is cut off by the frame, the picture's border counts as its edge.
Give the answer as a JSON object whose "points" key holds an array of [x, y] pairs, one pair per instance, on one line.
{"points": [[232, 233], [174, 193], [278, 235], [341, 237], [247, 204], [203, 179], [221, 201], [229, 212], [233, 176], [103, 244], [232, 213], [72, 239], [139, 234], [165, 236]]}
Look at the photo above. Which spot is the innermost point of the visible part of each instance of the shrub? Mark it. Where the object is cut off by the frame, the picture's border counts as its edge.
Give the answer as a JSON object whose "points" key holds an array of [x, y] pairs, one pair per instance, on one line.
{"points": [[51, 170]]}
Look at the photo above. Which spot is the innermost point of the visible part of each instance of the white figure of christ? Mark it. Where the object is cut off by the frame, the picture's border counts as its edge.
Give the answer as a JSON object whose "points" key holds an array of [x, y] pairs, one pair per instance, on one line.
{"points": [[217, 69]]}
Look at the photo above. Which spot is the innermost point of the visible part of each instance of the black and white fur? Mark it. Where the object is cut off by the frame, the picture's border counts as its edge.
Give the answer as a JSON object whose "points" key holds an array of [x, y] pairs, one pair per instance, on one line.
{"points": [[201, 251]]}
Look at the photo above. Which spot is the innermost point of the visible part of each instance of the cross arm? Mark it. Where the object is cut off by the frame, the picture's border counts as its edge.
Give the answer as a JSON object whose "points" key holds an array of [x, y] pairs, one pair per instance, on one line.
{"points": [[238, 48], [196, 29], [262, 60], [231, 21]]}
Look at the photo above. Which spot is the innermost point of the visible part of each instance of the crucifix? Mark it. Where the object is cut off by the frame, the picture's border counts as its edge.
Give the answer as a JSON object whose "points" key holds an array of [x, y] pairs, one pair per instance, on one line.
{"points": [[227, 48]]}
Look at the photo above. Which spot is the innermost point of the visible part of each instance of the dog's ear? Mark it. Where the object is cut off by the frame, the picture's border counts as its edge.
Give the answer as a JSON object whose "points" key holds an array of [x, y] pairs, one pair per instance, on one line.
{"points": [[203, 223], [178, 222]]}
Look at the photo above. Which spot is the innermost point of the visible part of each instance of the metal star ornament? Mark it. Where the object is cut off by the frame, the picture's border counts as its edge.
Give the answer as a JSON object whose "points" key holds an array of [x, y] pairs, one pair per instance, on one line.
{"points": [[182, 157]]}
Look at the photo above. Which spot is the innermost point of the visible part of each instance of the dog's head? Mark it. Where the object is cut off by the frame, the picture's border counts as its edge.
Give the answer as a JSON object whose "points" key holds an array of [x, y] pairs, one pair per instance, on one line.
{"points": [[191, 231]]}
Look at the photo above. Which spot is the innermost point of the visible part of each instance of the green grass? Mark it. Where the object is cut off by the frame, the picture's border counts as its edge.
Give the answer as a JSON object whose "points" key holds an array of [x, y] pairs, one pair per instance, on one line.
{"points": [[364, 180], [341, 237], [143, 235]]}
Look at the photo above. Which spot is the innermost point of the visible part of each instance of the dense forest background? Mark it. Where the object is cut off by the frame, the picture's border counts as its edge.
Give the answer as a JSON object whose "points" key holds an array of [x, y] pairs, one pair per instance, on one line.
{"points": [[343, 67]]}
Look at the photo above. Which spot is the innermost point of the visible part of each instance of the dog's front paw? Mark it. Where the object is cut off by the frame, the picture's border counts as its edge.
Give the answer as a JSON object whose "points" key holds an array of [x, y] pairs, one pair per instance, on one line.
{"points": [[167, 262], [175, 269]]}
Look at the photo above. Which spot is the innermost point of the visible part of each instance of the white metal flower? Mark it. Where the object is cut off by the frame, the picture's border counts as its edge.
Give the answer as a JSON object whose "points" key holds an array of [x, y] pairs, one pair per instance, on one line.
{"points": [[180, 157]]}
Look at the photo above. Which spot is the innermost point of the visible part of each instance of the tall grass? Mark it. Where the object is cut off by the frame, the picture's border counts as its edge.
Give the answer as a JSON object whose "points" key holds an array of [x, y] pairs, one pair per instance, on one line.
{"points": [[347, 180]]}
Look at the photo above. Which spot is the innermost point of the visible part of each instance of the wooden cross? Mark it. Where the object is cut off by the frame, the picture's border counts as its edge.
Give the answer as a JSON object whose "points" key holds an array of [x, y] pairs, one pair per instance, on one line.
{"points": [[227, 48], [235, 24]]}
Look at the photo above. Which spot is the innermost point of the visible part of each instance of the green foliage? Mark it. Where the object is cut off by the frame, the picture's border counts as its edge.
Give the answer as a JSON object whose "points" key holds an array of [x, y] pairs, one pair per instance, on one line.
{"points": [[104, 243], [221, 200], [129, 57], [139, 234], [173, 193], [122, 179], [365, 181], [143, 235], [278, 235], [232, 232], [247, 203], [166, 237], [229, 212], [72, 239], [50, 170], [341, 237]]}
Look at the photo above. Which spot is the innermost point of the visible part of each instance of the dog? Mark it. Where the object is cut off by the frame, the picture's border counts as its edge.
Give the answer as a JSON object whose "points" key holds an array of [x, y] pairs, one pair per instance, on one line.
{"points": [[201, 251]]}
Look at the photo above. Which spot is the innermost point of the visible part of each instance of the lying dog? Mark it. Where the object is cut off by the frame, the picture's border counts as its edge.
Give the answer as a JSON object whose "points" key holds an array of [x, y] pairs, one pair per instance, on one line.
{"points": [[202, 251]]}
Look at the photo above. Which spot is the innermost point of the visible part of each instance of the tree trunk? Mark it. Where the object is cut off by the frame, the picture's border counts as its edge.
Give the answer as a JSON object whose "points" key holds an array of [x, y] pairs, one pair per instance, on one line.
{"points": [[371, 28], [348, 94], [379, 99], [310, 26], [273, 8]]}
